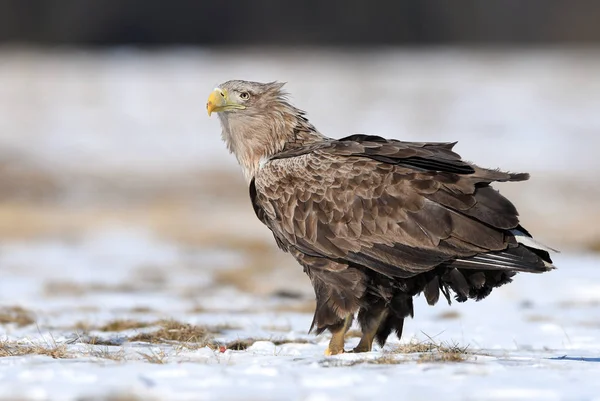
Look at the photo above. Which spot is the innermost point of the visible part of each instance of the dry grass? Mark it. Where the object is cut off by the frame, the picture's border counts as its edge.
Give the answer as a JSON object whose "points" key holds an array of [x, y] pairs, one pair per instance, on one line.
{"points": [[157, 357], [107, 353], [431, 351], [443, 357], [16, 315], [173, 331], [56, 351], [122, 325], [415, 347], [169, 332]]}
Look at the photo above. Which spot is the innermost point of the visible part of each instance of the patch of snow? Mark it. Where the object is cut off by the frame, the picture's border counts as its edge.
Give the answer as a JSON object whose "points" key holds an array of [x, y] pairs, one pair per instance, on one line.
{"points": [[536, 339]]}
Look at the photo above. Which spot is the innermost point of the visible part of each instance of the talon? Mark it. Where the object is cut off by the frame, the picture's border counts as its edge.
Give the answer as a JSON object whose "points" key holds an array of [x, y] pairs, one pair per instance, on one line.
{"points": [[329, 352]]}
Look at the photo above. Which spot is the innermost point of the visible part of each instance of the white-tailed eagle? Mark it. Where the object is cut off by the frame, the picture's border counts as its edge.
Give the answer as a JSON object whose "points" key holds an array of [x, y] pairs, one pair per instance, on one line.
{"points": [[373, 221]]}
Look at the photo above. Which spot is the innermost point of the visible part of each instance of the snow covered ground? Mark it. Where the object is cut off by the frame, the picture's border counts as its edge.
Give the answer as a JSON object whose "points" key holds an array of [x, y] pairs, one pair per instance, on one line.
{"points": [[538, 338], [132, 266]]}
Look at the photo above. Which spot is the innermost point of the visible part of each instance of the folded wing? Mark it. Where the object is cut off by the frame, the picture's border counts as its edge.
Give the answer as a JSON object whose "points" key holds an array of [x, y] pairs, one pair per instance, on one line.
{"points": [[398, 208]]}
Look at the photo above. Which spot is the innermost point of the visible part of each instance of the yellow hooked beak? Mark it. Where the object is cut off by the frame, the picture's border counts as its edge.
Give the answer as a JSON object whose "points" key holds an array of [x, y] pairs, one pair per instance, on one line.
{"points": [[216, 101], [219, 101]]}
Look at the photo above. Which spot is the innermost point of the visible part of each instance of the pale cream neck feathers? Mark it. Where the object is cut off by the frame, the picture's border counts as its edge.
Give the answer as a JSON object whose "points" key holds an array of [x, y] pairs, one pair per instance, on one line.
{"points": [[253, 138]]}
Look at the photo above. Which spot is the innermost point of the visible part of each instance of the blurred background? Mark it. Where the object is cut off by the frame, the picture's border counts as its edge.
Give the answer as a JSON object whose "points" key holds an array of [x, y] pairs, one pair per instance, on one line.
{"points": [[113, 180]]}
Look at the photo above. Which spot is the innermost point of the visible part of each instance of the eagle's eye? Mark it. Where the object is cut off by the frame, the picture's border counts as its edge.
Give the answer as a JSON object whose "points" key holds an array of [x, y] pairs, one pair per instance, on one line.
{"points": [[244, 96]]}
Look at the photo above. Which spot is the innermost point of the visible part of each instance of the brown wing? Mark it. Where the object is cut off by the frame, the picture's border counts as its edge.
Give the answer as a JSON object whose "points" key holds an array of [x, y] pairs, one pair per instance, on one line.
{"points": [[395, 207]]}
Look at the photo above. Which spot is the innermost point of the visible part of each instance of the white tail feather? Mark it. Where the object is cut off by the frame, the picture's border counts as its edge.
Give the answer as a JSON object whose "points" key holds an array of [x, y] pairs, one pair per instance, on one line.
{"points": [[524, 239]]}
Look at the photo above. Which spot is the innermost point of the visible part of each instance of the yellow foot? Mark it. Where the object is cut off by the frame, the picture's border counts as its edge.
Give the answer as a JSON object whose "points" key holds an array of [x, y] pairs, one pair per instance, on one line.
{"points": [[329, 351]]}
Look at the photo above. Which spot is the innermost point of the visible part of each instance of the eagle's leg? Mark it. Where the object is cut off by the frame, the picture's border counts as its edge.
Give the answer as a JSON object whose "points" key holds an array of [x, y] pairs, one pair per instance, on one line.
{"points": [[370, 325], [338, 332]]}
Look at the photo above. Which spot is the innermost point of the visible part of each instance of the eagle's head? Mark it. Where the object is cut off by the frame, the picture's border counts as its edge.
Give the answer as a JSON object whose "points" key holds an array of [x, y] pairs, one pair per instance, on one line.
{"points": [[257, 121], [244, 98]]}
